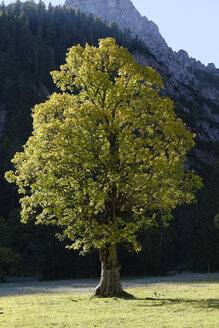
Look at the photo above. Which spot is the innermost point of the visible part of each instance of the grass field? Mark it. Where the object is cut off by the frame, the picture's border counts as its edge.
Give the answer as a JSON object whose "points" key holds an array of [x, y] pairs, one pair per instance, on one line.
{"points": [[175, 305]]}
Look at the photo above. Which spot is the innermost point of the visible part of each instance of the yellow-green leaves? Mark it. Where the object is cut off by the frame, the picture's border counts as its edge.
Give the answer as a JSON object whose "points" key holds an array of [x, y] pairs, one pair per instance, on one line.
{"points": [[106, 155]]}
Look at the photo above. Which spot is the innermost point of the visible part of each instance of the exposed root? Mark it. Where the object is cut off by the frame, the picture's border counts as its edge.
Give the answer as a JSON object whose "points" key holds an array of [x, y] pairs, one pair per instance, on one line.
{"points": [[116, 294]]}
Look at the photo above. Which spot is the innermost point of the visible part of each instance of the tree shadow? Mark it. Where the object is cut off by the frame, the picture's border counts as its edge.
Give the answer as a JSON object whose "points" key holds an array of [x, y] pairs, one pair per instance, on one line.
{"points": [[153, 302]]}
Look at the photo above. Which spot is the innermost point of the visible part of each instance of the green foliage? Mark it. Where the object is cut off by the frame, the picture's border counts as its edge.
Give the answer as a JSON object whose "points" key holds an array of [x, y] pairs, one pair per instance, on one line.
{"points": [[216, 220], [5, 233], [205, 235], [8, 260], [33, 41], [106, 156]]}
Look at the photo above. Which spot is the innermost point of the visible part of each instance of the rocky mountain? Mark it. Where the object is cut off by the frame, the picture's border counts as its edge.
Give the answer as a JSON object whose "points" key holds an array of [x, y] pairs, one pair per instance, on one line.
{"points": [[193, 86]]}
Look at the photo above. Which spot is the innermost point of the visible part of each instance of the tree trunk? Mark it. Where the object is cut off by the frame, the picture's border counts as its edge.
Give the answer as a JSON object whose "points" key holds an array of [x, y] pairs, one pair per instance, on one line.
{"points": [[110, 285]]}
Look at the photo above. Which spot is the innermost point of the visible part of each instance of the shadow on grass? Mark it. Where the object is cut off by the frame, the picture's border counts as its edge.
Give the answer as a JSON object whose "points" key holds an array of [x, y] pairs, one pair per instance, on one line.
{"points": [[153, 302]]}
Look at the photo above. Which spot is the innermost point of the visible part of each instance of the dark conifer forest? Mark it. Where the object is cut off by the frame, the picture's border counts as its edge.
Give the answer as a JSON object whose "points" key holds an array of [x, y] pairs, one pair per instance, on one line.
{"points": [[33, 42]]}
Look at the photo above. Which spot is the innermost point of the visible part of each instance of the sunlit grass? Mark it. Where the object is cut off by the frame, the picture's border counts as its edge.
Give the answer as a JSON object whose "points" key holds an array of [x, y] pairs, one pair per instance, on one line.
{"points": [[176, 305]]}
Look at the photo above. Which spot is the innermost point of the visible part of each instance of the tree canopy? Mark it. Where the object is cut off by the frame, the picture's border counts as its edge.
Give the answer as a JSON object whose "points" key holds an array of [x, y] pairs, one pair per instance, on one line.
{"points": [[106, 156]]}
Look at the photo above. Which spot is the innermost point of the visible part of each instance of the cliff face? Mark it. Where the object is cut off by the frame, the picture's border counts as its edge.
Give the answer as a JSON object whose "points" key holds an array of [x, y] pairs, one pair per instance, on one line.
{"points": [[193, 86], [125, 15]]}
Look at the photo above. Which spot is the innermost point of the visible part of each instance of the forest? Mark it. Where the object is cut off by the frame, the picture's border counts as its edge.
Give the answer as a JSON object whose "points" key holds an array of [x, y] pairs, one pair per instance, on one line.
{"points": [[33, 42]]}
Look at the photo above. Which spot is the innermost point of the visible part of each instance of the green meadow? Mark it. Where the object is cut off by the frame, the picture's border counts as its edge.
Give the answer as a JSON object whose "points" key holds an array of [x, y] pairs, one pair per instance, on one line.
{"points": [[159, 305]]}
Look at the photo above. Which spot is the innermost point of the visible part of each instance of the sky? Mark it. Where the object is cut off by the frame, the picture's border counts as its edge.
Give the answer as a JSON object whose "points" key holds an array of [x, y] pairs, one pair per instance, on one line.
{"points": [[191, 25]]}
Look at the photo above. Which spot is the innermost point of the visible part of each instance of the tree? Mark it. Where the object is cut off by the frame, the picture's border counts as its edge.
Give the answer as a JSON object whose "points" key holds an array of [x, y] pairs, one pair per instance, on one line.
{"points": [[105, 159], [8, 261]]}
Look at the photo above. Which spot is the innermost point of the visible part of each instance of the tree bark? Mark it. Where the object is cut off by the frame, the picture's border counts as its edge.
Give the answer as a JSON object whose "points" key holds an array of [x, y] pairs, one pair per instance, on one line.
{"points": [[110, 284]]}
